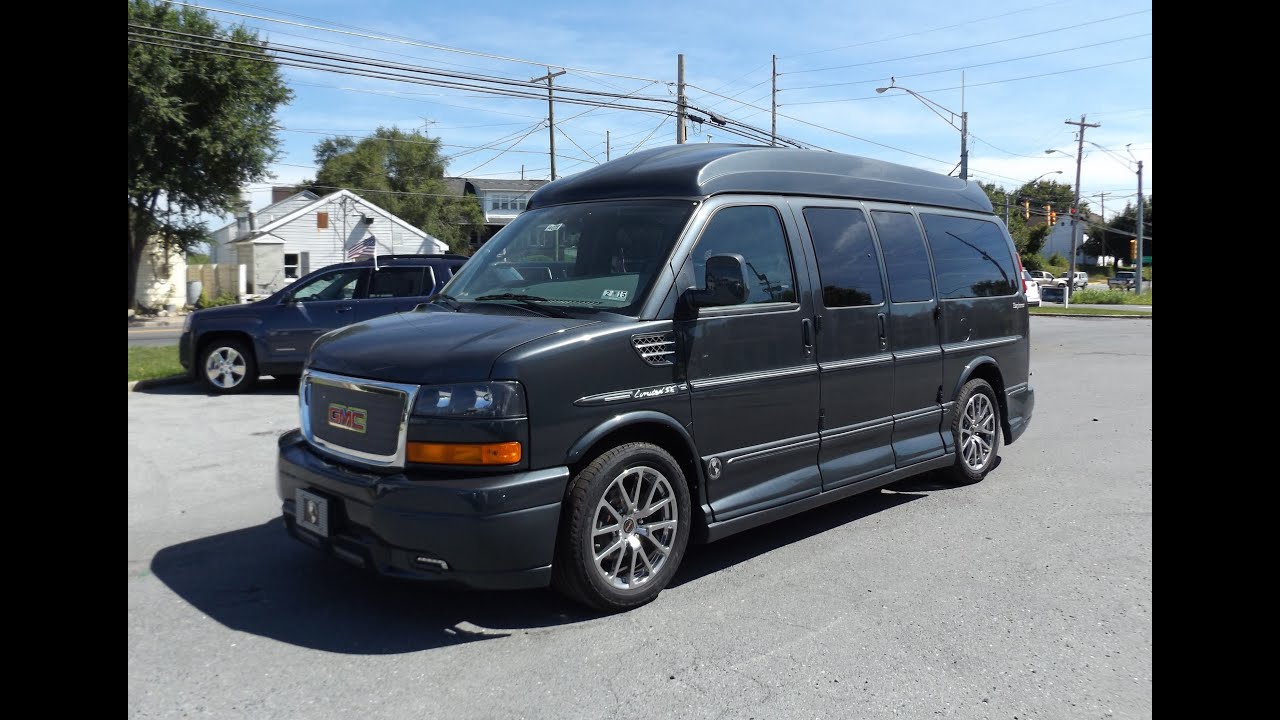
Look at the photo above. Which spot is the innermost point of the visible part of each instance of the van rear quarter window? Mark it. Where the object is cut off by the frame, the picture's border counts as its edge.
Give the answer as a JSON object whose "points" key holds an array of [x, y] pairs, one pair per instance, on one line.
{"points": [[972, 257]]}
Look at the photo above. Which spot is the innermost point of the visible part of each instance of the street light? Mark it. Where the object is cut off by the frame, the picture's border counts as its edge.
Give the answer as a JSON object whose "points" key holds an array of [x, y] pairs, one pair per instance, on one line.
{"points": [[963, 127]]}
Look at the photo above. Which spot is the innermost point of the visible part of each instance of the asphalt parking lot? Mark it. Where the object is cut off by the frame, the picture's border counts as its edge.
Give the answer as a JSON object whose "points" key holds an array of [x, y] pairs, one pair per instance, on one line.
{"points": [[1025, 596]]}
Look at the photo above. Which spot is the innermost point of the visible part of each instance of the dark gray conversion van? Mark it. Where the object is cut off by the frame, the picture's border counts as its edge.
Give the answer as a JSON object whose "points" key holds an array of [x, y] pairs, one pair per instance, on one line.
{"points": [[674, 346]]}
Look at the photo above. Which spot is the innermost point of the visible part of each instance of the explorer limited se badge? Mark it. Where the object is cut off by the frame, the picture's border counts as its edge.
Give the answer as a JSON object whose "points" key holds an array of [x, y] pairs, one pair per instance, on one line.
{"points": [[347, 417]]}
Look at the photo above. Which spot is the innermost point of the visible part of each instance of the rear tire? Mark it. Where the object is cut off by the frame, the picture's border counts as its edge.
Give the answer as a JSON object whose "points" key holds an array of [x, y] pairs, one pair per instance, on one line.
{"points": [[227, 366], [624, 528], [975, 428]]}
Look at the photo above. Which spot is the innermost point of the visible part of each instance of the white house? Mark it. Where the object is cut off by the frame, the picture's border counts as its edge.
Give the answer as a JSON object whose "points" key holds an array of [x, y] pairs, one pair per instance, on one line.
{"points": [[501, 200], [300, 232]]}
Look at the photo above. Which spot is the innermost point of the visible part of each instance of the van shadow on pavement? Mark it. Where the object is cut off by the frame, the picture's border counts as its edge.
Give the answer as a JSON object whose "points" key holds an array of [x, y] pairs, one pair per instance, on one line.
{"points": [[267, 385], [259, 580]]}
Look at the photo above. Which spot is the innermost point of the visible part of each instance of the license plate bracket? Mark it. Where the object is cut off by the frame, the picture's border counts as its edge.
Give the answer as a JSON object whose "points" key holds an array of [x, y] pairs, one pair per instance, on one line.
{"points": [[311, 512]]}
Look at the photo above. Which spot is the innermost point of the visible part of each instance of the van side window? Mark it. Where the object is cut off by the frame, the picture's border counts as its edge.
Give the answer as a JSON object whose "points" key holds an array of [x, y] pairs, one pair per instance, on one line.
{"points": [[754, 232], [905, 256], [972, 256], [848, 262]]}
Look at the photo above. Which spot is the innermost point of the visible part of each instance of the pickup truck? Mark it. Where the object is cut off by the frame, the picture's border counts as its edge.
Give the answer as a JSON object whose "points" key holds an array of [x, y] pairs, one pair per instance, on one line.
{"points": [[1123, 280]]}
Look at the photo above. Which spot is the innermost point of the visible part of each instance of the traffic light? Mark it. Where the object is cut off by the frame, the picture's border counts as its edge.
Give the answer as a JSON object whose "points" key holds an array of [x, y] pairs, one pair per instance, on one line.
{"points": [[1053, 218], [1133, 249], [1026, 209]]}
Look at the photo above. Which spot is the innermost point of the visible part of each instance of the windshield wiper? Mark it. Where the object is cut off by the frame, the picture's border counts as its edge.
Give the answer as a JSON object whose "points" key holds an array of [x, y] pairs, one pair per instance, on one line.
{"points": [[448, 300], [532, 302]]}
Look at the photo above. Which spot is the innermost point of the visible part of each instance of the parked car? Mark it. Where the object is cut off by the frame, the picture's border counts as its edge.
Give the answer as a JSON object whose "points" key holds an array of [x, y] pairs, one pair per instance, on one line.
{"points": [[1081, 280], [229, 347], [1042, 277], [1123, 280], [1032, 289], [535, 424]]}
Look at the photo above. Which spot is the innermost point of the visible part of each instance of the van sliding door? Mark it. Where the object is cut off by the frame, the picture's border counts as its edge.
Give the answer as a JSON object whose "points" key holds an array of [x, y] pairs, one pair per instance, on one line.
{"points": [[914, 338]]}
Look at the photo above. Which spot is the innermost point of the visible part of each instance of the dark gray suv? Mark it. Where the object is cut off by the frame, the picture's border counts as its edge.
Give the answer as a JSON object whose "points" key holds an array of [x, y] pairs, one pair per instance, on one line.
{"points": [[229, 347]]}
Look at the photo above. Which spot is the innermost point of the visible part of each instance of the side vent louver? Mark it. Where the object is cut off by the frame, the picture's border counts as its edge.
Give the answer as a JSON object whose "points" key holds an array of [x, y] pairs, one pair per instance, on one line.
{"points": [[655, 348]]}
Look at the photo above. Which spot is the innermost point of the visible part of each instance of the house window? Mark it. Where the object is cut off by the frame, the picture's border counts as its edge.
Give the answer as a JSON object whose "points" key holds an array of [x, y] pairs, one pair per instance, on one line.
{"points": [[291, 264], [510, 203], [322, 221]]}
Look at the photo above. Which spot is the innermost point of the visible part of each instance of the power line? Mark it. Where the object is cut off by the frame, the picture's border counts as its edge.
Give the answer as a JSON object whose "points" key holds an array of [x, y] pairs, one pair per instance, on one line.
{"points": [[970, 47], [970, 67], [926, 32], [646, 137], [495, 157], [575, 144], [309, 53], [973, 85], [382, 75], [370, 35]]}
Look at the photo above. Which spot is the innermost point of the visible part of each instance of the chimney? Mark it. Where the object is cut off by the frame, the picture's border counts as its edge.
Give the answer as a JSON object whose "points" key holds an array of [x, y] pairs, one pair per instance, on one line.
{"points": [[282, 192]]}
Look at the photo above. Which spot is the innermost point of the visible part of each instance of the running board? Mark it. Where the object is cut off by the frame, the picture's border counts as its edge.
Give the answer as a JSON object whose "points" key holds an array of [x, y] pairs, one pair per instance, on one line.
{"points": [[720, 530]]}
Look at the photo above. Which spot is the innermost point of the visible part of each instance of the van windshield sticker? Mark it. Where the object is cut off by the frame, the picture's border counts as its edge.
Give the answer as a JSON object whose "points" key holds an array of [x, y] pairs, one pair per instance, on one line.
{"points": [[620, 295]]}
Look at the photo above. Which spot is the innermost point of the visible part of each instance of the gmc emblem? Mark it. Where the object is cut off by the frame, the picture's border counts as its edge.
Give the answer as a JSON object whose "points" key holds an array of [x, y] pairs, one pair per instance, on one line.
{"points": [[347, 417]]}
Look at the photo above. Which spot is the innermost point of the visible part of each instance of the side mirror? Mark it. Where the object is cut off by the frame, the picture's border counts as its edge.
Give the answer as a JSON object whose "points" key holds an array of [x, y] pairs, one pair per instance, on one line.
{"points": [[724, 282]]}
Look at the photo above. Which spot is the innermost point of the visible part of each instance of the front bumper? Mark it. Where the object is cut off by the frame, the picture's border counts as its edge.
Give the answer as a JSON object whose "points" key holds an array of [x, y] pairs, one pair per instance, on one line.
{"points": [[490, 531]]}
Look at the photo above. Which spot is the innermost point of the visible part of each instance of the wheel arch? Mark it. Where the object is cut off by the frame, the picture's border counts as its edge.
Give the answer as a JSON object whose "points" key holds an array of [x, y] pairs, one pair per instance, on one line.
{"points": [[652, 427], [986, 368]]}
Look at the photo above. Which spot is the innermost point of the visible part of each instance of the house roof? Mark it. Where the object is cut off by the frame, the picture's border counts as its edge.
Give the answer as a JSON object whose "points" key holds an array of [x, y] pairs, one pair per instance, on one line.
{"points": [[459, 185], [329, 199], [310, 195], [697, 170]]}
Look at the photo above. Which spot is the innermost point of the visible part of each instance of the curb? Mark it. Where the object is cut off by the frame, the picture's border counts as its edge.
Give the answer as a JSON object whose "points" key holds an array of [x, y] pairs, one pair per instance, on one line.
{"points": [[136, 385], [1132, 315]]}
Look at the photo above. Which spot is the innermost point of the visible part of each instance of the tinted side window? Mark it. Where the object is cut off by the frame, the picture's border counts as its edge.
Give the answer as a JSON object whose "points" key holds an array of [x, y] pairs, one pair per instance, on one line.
{"points": [[972, 256], [754, 232], [399, 282], [337, 285], [905, 256], [848, 262]]}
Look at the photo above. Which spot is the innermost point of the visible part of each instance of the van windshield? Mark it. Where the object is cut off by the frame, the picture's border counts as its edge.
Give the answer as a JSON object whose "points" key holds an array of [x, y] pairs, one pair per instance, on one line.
{"points": [[584, 256]]}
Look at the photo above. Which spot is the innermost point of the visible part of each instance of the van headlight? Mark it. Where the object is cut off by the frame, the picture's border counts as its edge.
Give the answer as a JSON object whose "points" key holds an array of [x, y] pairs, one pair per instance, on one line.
{"points": [[487, 400]]}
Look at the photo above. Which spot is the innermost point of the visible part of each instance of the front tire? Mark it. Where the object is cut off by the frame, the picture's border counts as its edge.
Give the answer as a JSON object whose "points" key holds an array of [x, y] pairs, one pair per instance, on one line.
{"points": [[228, 366], [975, 429], [625, 528]]}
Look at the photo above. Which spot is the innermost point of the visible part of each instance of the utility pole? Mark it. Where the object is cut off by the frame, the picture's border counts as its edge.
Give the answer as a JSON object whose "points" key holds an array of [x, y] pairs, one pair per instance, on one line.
{"points": [[551, 114], [521, 171], [606, 146], [1137, 278], [681, 109], [773, 132], [1075, 211], [1102, 244], [1006, 210]]}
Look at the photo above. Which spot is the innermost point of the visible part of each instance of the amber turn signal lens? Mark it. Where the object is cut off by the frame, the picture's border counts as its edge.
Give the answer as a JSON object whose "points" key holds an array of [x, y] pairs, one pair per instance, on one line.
{"points": [[507, 453]]}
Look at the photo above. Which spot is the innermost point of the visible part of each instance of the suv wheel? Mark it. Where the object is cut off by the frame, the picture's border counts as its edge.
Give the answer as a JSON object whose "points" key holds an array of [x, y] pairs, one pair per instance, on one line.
{"points": [[228, 366], [625, 528], [976, 431]]}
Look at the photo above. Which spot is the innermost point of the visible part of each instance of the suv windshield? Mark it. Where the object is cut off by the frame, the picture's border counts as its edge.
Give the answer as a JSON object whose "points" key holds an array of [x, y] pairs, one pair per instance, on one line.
{"points": [[585, 256]]}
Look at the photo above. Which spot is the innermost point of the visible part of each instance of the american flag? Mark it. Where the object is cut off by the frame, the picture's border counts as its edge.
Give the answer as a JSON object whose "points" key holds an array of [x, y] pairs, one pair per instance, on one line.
{"points": [[364, 248]]}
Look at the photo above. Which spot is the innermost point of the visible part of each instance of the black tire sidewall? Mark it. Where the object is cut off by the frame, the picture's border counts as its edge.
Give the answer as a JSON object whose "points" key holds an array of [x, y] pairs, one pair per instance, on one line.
{"points": [[599, 592], [962, 471], [250, 366]]}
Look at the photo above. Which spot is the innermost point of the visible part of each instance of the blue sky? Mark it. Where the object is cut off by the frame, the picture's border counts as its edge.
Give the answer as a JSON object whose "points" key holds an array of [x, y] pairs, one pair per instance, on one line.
{"points": [[1027, 66]]}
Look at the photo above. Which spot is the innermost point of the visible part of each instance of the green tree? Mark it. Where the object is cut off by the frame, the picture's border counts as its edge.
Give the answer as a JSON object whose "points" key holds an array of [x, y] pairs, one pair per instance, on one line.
{"points": [[403, 173], [201, 125], [1029, 235]]}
